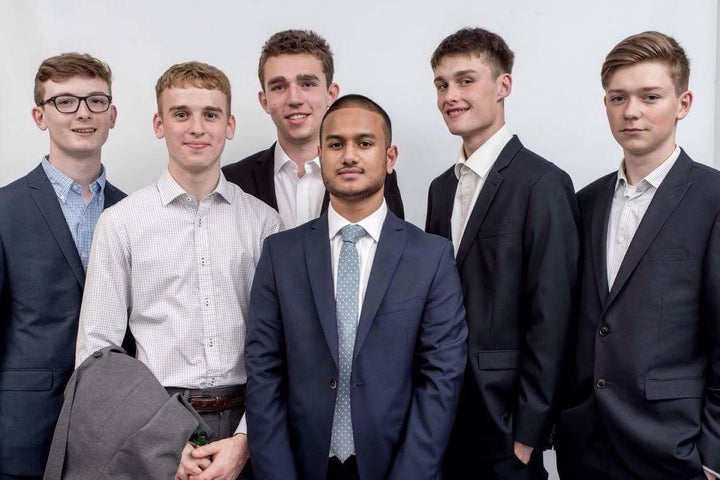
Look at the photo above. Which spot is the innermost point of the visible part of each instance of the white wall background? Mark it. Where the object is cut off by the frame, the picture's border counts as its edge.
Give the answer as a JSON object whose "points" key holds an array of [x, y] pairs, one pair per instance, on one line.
{"points": [[382, 49]]}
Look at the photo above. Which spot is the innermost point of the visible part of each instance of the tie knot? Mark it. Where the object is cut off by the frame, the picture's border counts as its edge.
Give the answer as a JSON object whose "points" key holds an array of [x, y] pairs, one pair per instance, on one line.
{"points": [[352, 233]]}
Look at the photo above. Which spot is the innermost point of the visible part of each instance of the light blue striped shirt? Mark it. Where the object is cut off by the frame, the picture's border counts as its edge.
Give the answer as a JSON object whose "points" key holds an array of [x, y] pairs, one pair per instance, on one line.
{"points": [[80, 218]]}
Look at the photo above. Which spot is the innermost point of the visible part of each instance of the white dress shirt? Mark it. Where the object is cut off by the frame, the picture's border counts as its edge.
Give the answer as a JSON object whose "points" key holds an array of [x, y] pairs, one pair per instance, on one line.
{"points": [[366, 246], [299, 199], [478, 164], [630, 202], [178, 273]]}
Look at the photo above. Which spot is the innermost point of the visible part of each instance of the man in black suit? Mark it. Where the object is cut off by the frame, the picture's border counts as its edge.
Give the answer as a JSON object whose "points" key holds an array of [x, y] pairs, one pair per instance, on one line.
{"points": [[644, 399], [512, 218], [47, 219], [296, 75]]}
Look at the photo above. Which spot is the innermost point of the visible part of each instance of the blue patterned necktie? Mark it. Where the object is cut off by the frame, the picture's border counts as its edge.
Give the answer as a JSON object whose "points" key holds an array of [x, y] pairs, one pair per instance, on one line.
{"points": [[346, 305]]}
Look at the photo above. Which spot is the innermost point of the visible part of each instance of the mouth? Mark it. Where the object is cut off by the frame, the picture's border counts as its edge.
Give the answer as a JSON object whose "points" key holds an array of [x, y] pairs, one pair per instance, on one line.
{"points": [[350, 171], [297, 117], [455, 112], [84, 131], [196, 145], [632, 130]]}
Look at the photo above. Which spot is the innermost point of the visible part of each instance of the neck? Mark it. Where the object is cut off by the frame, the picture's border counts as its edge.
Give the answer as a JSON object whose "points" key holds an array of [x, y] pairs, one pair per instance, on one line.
{"points": [[638, 167], [300, 152], [354, 210], [197, 184], [83, 171], [472, 142]]}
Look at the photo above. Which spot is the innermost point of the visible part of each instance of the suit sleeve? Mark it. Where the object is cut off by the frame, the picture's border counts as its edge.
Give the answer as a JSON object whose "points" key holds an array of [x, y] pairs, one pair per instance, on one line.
{"points": [[106, 299], [709, 441], [265, 362], [441, 354], [551, 248]]}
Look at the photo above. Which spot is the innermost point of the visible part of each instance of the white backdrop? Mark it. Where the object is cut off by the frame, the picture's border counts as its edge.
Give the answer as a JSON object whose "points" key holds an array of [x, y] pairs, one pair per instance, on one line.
{"points": [[382, 49]]}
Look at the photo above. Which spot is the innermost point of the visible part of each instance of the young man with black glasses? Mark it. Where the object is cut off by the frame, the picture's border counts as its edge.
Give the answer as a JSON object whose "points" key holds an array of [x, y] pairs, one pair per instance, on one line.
{"points": [[47, 219]]}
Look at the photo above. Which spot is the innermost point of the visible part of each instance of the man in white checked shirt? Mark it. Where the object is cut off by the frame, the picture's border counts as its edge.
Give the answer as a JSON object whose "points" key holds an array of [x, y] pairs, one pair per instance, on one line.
{"points": [[356, 338], [174, 263]]}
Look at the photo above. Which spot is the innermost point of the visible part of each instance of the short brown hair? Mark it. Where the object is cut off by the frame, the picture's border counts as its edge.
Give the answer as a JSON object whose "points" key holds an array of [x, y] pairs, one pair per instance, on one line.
{"points": [[649, 46], [193, 74], [67, 65], [363, 102], [477, 42], [295, 42]]}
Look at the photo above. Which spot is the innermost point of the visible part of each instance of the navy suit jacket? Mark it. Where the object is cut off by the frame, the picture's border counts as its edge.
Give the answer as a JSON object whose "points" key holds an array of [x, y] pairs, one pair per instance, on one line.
{"points": [[518, 266], [41, 286], [408, 360], [647, 353], [256, 176]]}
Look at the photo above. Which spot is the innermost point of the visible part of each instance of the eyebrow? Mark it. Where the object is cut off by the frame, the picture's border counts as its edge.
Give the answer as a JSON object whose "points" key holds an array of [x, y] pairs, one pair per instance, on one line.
{"points": [[74, 95], [643, 89], [359, 135], [307, 76], [460, 73]]}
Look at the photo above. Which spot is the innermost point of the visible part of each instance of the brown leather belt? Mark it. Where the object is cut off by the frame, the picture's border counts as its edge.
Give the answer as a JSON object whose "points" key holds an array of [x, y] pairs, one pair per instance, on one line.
{"points": [[217, 403]]}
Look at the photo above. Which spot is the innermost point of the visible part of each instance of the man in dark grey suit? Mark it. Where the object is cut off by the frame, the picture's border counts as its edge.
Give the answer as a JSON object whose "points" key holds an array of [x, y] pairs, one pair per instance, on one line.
{"points": [[296, 75], [644, 398], [47, 219]]}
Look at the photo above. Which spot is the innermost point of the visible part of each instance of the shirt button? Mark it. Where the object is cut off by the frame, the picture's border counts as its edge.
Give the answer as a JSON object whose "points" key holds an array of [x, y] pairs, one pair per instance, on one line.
{"points": [[333, 384], [604, 330], [601, 383]]}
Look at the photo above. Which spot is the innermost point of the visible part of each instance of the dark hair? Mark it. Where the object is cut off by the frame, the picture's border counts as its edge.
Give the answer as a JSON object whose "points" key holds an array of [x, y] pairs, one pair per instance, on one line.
{"points": [[478, 42], [649, 46], [360, 101], [67, 65], [295, 42]]}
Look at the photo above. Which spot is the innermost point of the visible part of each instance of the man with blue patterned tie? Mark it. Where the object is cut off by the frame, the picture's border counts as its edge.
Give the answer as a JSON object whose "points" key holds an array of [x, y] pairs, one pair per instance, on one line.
{"points": [[362, 384]]}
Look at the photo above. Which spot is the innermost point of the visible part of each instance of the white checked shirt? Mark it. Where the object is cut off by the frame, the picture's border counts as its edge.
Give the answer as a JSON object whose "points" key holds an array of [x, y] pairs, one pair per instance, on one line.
{"points": [[630, 202], [178, 272], [478, 164], [299, 199]]}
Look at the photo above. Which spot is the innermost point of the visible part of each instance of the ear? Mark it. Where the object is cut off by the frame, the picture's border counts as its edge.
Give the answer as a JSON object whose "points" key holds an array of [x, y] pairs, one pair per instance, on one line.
{"points": [[391, 158], [38, 114], [230, 131], [113, 116], [333, 93], [158, 126], [605, 100], [262, 98], [504, 83], [686, 99]]}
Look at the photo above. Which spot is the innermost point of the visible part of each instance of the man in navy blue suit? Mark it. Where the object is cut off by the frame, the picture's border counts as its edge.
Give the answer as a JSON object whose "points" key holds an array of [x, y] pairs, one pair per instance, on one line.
{"points": [[355, 353], [47, 219]]}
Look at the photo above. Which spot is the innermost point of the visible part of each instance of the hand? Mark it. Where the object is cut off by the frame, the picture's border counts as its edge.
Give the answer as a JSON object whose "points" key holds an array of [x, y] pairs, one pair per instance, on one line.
{"points": [[522, 452], [709, 475], [229, 456], [189, 465]]}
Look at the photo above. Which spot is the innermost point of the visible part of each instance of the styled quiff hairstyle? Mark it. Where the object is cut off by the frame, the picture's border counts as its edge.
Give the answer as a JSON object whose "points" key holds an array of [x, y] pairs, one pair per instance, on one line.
{"points": [[360, 101], [67, 65], [193, 74], [295, 42], [480, 43], [649, 46]]}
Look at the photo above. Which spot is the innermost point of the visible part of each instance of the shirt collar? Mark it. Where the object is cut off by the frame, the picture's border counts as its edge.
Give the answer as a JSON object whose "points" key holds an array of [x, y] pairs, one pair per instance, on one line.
{"points": [[282, 159], [170, 190], [483, 158], [372, 223], [654, 178], [62, 184]]}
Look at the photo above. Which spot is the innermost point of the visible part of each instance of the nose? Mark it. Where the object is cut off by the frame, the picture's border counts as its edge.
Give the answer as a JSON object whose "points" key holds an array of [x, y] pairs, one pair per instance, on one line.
{"points": [[83, 110], [632, 108], [294, 95], [197, 127], [451, 93], [350, 154]]}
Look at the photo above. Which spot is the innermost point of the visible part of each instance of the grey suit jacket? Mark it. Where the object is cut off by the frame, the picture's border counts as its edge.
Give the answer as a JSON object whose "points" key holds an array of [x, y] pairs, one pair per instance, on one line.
{"points": [[118, 422]]}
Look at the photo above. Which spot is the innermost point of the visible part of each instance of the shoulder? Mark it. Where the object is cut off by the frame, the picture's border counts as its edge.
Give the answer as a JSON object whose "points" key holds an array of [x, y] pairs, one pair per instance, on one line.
{"points": [[248, 163], [142, 201], [528, 165], [249, 205]]}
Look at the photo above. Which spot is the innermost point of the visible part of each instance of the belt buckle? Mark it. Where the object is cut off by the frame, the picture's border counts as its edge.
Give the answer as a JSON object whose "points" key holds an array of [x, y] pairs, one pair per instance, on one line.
{"points": [[204, 401]]}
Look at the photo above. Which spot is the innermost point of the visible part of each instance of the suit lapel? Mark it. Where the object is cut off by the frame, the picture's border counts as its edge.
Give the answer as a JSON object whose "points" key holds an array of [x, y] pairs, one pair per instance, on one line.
{"points": [[387, 256], [486, 196], [442, 207], [666, 199], [325, 203], [112, 195], [46, 200], [319, 266], [598, 236], [264, 177]]}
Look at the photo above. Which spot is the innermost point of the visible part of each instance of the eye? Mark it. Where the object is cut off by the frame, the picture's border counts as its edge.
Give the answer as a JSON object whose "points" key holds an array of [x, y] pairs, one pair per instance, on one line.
{"points": [[466, 81], [441, 87], [65, 101], [100, 101], [276, 88], [617, 99], [212, 115], [334, 145], [309, 84], [652, 97], [365, 144], [180, 115]]}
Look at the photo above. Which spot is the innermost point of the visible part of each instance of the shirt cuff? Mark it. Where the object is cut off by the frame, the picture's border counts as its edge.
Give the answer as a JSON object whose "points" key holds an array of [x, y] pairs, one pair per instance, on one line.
{"points": [[242, 426], [717, 475]]}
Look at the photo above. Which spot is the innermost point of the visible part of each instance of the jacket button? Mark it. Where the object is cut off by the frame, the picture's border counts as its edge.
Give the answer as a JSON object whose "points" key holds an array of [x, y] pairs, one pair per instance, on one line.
{"points": [[97, 354], [604, 330], [333, 384], [601, 383]]}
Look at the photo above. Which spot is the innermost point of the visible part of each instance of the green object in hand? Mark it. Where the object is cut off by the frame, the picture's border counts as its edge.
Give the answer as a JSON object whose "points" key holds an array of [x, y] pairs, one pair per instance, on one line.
{"points": [[199, 439]]}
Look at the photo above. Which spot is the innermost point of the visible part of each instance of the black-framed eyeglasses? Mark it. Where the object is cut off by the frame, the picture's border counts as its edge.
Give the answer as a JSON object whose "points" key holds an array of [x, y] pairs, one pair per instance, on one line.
{"points": [[97, 103]]}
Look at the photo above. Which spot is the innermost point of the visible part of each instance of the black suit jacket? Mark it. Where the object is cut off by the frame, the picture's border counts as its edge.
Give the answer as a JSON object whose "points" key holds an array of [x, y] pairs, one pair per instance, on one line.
{"points": [[41, 286], [647, 356], [518, 267], [255, 175]]}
